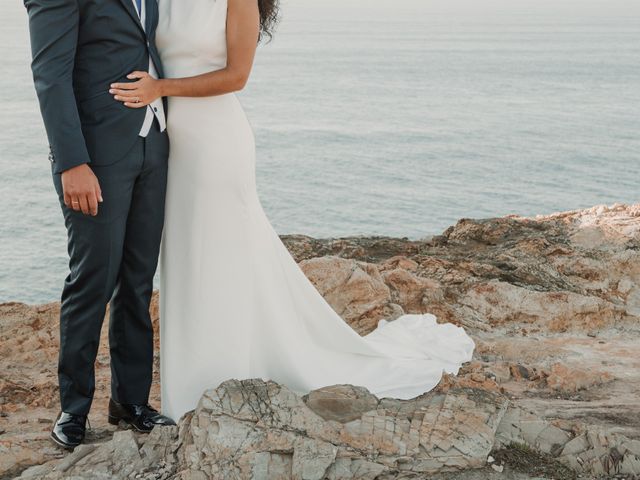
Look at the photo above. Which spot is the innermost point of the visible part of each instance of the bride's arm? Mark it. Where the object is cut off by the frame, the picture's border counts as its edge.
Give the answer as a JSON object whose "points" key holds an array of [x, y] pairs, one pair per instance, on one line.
{"points": [[243, 26]]}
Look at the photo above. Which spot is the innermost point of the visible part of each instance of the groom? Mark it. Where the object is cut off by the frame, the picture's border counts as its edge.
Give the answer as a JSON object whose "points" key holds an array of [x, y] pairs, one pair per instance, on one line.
{"points": [[109, 167]]}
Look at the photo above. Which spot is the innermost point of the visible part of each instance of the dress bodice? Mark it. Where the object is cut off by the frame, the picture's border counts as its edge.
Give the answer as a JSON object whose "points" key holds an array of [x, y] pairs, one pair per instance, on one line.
{"points": [[191, 36]]}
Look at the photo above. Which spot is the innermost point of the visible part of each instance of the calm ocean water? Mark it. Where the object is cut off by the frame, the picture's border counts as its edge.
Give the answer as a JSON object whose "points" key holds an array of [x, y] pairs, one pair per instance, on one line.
{"points": [[393, 118]]}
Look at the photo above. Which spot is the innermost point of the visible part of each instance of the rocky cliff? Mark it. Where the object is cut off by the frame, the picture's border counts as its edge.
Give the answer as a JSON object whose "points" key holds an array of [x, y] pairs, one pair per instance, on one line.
{"points": [[553, 303]]}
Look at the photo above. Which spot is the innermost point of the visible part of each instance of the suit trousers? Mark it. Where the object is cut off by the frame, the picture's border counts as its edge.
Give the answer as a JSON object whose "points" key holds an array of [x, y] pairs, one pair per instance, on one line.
{"points": [[112, 259]]}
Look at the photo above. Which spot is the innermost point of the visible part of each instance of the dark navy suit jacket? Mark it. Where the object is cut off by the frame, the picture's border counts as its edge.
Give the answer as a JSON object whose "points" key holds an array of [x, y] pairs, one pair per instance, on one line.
{"points": [[80, 47]]}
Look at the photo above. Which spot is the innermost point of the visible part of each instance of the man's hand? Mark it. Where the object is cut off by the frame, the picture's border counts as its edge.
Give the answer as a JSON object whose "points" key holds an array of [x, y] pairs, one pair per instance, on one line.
{"points": [[81, 189]]}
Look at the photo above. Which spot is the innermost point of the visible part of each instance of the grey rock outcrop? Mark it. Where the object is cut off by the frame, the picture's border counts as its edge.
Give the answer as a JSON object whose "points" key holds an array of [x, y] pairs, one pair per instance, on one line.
{"points": [[252, 429]]}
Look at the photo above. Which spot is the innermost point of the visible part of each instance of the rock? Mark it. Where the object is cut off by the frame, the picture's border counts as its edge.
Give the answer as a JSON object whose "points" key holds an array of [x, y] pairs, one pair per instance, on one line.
{"points": [[355, 290], [251, 416], [601, 453], [342, 403], [409, 290], [500, 372], [566, 379], [311, 459], [36, 472], [78, 454], [256, 429], [552, 302]]}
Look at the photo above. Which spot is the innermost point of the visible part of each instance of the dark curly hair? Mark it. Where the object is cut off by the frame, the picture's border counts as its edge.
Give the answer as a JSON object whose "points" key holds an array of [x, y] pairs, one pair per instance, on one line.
{"points": [[269, 10]]}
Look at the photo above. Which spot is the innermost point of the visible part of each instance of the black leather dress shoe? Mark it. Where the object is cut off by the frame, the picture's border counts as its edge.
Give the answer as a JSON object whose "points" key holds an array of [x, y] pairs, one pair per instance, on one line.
{"points": [[69, 430], [140, 416]]}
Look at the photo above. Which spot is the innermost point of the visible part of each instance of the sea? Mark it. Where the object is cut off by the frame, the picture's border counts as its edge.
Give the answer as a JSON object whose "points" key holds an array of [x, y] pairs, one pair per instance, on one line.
{"points": [[380, 117]]}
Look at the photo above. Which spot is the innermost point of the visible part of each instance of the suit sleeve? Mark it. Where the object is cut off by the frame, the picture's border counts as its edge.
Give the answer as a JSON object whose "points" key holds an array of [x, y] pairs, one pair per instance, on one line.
{"points": [[53, 28]]}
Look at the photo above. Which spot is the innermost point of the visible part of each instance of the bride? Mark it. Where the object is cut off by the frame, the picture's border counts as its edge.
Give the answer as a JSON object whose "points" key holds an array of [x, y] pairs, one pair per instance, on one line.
{"points": [[234, 303]]}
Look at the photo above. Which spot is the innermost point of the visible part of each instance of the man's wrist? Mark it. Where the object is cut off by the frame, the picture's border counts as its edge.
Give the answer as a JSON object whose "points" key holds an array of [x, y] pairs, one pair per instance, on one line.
{"points": [[66, 168]]}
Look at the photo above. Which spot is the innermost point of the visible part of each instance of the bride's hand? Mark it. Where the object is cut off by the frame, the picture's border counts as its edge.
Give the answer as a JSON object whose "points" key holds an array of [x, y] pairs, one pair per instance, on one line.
{"points": [[137, 94]]}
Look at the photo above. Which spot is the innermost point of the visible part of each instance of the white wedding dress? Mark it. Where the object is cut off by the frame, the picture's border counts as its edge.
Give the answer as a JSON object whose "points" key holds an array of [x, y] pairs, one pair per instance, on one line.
{"points": [[233, 301]]}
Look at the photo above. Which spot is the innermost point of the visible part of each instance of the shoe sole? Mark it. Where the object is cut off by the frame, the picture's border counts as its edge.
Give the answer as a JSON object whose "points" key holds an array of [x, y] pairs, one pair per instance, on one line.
{"points": [[117, 421], [60, 443]]}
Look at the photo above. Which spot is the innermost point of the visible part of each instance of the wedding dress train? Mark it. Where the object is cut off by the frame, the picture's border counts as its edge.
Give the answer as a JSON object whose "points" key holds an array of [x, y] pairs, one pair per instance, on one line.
{"points": [[233, 301]]}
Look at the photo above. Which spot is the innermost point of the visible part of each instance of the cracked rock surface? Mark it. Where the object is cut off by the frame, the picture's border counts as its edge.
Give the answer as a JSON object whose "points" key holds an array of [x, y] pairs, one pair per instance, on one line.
{"points": [[256, 429], [553, 303]]}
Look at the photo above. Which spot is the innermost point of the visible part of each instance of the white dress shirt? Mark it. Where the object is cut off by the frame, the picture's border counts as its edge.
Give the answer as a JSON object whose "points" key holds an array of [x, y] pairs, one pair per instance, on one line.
{"points": [[155, 108]]}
